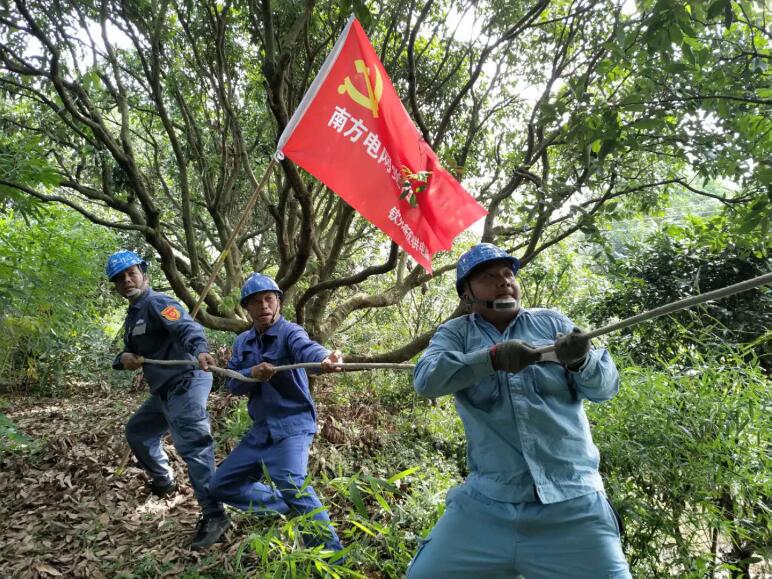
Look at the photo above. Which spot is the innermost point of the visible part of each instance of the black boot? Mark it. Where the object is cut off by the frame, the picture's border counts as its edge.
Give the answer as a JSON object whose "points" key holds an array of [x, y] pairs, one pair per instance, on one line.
{"points": [[161, 488], [209, 530]]}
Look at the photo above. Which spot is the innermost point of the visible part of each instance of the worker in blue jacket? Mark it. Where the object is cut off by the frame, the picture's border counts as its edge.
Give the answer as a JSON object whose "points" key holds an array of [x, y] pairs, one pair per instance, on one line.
{"points": [[283, 415], [157, 327], [533, 504]]}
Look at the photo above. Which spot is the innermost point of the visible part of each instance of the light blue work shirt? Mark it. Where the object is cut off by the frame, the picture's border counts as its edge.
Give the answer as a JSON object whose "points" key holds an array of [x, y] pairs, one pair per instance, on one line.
{"points": [[282, 406], [528, 437]]}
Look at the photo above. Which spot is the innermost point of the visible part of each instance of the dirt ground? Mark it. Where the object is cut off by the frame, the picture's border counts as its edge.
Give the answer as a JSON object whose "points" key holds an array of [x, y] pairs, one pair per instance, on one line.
{"points": [[67, 510]]}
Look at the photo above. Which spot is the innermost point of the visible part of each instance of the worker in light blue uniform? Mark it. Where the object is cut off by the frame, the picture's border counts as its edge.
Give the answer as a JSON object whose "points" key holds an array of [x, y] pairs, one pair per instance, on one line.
{"points": [[157, 327], [533, 504], [283, 415]]}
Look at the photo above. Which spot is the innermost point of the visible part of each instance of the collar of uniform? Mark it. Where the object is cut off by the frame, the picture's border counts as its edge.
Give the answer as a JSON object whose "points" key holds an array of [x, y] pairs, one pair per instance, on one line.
{"points": [[143, 297], [273, 329], [478, 319]]}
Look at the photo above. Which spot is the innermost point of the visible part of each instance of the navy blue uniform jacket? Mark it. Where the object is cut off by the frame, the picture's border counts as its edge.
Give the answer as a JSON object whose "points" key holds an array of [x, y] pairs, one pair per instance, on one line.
{"points": [[158, 327], [283, 404]]}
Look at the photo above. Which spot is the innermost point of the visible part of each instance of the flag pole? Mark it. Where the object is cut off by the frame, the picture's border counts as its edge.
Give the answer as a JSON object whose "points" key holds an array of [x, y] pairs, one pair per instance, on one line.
{"points": [[245, 213]]}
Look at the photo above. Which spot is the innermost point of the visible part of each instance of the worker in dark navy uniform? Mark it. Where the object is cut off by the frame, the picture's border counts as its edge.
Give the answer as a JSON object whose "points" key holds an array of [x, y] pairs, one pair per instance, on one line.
{"points": [[157, 327], [267, 472]]}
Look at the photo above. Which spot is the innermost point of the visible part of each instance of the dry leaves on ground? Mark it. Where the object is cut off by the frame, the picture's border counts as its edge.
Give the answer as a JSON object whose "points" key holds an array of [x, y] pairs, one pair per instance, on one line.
{"points": [[65, 511]]}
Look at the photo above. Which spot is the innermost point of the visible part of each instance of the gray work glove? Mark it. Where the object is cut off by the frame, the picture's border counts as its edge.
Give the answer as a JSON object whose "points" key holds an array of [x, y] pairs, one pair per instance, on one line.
{"points": [[513, 356], [572, 349]]}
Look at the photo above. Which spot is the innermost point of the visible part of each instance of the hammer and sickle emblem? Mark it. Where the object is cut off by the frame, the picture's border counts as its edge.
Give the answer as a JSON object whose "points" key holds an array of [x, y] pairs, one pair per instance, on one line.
{"points": [[373, 96]]}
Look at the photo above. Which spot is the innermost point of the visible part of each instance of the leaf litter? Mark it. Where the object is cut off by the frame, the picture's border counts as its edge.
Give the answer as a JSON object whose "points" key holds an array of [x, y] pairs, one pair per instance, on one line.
{"points": [[66, 511]]}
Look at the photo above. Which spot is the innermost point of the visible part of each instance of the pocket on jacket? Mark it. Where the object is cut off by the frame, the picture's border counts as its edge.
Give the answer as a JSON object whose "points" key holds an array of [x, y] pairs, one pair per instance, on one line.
{"points": [[617, 518]]}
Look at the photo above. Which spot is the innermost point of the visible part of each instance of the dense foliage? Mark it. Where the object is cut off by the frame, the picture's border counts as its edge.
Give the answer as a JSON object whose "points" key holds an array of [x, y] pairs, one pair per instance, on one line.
{"points": [[56, 312], [579, 124], [678, 261], [683, 459], [154, 118]]}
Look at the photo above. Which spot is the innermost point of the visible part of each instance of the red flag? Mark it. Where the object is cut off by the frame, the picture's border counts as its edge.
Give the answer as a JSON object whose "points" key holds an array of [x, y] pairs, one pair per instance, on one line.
{"points": [[352, 133]]}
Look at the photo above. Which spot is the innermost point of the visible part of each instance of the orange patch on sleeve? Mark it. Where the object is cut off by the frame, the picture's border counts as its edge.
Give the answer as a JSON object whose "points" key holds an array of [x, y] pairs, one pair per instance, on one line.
{"points": [[171, 313]]}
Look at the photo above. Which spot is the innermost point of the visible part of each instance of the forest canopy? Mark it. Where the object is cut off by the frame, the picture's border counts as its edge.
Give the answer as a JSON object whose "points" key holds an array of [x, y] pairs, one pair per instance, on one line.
{"points": [[153, 119]]}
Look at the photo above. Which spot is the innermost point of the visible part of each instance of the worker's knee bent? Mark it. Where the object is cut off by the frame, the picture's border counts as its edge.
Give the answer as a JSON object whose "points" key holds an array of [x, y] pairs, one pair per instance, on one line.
{"points": [[191, 435]]}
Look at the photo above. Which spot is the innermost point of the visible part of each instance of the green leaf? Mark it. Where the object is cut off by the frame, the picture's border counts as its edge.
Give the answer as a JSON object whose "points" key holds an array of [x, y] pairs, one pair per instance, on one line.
{"points": [[647, 123], [728, 14], [608, 146], [403, 474], [764, 175], [750, 223], [361, 527], [676, 67], [675, 34], [576, 86], [717, 8], [703, 56], [633, 98], [686, 27], [92, 80], [356, 498], [363, 14], [381, 501], [660, 41], [548, 112], [688, 53]]}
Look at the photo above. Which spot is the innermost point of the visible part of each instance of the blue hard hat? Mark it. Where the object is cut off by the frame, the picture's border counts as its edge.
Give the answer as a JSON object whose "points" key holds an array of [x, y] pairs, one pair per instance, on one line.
{"points": [[478, 255], [122, 260], [257, 283]]}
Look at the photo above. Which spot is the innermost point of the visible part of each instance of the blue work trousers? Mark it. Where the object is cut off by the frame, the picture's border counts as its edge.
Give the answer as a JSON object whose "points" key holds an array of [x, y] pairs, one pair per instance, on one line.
{"points": [[480, 537], [237, 481], [182, 412]]}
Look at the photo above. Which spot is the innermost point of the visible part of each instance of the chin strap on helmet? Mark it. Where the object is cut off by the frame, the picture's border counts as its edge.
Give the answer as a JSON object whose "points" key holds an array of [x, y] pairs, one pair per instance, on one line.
{"points": [[498, 304], [278, 307]]}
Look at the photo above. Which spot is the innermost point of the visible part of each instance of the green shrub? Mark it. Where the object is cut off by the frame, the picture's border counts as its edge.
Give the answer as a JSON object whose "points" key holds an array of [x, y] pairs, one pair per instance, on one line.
{"points": [[12, 440], [685, 454], [55, 312]]}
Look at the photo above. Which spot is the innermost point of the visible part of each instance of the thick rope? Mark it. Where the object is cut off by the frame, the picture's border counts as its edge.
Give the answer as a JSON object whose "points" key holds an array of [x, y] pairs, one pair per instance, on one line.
{"points": [[645, 316], [626, 323], [676, 306], [306, 365]]}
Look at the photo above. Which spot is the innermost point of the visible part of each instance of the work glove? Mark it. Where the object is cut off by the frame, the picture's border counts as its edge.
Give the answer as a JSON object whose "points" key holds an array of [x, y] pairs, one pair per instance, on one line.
{"points": [[513, 356], [572, 349]]}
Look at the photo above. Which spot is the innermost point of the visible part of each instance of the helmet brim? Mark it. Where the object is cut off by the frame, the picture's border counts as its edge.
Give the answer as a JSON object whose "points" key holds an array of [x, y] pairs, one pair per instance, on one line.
{"points": [[278, 293], [142, 265]]}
